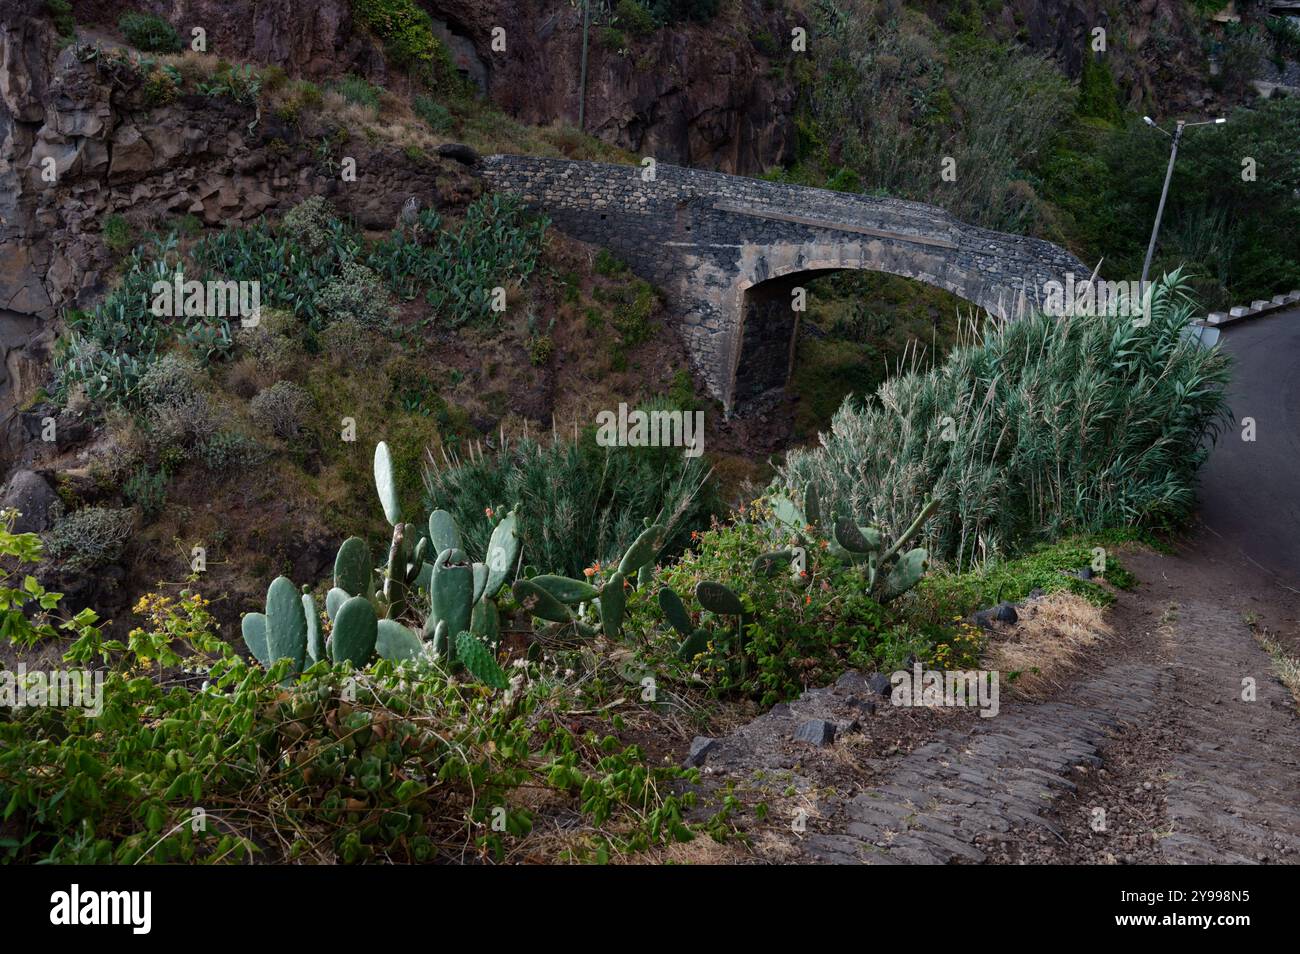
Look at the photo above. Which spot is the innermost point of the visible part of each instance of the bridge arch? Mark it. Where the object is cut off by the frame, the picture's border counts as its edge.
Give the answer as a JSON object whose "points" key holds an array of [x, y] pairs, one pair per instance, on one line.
{"points": [[707, 239], [763, 348]]}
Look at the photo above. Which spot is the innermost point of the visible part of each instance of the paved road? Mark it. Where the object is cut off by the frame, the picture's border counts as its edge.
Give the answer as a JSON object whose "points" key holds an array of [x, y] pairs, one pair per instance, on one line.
{"points": [[1250, 492]]}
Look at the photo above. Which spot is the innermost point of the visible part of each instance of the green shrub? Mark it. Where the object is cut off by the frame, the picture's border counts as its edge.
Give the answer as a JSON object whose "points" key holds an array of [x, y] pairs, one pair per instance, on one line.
{"points": [[150, 33], [435, 115], [146, 489], [284, 409], [60, 12], [177, 412], [607, 264], [942, 596], [632, 310], [1048, 427], [579, 503], [611, 39], [540, 349], [89, 538], [356, 293], [1098, 92], [798, 631], [310, 223], [1237, 238], [1242, 54], [635, 17], [243, 83], [350, 343], [893, 104], [118, 234], [230, 450], [171, 380], [357, 90], [386, 765], [407, 33]]}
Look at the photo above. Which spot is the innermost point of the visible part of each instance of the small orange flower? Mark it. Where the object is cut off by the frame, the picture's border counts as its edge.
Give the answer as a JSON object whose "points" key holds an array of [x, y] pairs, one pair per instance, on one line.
{"points": [[487, 511], [807, 599]]}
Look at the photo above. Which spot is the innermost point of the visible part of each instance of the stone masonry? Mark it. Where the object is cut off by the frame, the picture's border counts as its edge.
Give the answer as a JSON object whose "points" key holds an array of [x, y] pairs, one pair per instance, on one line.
{"points": [[718, 244]]}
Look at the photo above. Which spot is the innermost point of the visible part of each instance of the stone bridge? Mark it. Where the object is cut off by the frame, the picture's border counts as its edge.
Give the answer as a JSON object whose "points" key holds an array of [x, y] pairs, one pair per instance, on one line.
{"points": [[728, 251]]}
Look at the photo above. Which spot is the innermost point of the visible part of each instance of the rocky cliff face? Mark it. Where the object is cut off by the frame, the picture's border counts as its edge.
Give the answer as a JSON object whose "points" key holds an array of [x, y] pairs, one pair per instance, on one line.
{"points": [[720, 95], [1153, 46], [696, 94], [82, 142], [692, 94]]}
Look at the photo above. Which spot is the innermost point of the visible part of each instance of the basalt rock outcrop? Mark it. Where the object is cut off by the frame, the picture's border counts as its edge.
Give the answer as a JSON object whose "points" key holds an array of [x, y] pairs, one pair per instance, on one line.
{"points": [[712, 94], [83, 142]]}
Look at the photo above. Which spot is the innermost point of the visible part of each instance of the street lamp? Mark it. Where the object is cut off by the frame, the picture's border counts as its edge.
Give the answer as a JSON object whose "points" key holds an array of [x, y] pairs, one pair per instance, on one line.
{"points": [[1169, 174]]}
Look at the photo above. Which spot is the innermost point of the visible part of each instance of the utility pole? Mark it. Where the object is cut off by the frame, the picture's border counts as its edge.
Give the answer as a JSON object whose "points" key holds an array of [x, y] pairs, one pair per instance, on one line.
{"points": [[582, 79], [1164, 193]]}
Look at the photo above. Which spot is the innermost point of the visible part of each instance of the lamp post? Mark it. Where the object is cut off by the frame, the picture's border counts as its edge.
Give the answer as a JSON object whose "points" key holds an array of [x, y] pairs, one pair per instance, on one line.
{"points": [[1176, 136]]}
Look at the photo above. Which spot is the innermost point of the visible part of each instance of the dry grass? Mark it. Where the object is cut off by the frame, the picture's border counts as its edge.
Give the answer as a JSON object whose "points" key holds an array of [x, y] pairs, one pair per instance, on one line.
{"points": [[1047, 643], [1285, 666]]}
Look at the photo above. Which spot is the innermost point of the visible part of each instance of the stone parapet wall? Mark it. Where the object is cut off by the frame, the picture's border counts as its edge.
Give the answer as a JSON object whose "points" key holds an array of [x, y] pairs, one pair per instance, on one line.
{"points": [[705, 238]]}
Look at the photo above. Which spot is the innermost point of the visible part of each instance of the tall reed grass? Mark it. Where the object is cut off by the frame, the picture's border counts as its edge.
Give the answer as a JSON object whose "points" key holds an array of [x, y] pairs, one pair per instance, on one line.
{"points": [[1035, 429]]}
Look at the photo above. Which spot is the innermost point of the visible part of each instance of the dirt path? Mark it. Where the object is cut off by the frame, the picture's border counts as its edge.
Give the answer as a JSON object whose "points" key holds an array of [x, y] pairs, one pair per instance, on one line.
{"points": [[1150, 755], [1208, 775], [1175, 743]]}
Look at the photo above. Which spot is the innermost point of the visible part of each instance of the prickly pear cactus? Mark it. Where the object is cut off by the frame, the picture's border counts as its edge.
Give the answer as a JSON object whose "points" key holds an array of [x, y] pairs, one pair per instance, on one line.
{"points": [[769, 564], [613, 603], [540, 603], [717, 598], [479, 661], [443, 532], [335, 598], [442, 646], [566, 590], [315, 638], [907, 572], [353, 567], [812, 505], [502, 554], [861, 542], [694, 644], [395, 642], [356, 629], [675, 610], [451, 590], [286, 623], [485, 622], [386, 484], [253, 626], [643, 550]]}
